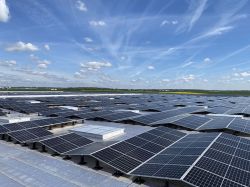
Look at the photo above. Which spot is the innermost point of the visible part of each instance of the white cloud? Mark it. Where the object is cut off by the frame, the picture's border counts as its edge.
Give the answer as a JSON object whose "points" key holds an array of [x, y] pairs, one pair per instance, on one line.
{"points": [[188, 78], [174, 22], [165, 80], [151, 67], [43, 64], [79, 75], [164, 22], [87, 39], [4, 11], [207, 60], [47, 47], [21, 46], [83, 71], [8, 63], [81, 6], [167, 22], [97, 23], [244, 74], [94, 66]]}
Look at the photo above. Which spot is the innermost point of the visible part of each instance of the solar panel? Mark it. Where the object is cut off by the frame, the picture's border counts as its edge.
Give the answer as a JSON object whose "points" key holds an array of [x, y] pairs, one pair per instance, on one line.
{"points": [[198, 159], [240, 125], [119, 116], [171, 171], [191, 122], [219, 110], [137, 149], [107, 155], [125, 163], [3, 130], [153, 118], [39, 132], [67, 142], [217, 123], [11, 127], [224, 163], [23, 136], [203, 178], [64, 147], [124, 147], [179, 156]]}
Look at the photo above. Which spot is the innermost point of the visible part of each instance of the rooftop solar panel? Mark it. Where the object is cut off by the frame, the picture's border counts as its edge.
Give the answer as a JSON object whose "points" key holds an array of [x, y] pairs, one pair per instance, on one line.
{"points": [[137, 149], [217, 123], [198, 159], [153, 118], [67, 142], [192, 122], [119, 116], [23, 136], [11, 127], [217, 164]]}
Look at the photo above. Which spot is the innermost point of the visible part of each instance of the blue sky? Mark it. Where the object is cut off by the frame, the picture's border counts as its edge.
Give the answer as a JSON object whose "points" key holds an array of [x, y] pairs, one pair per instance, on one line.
{"points": [[198, 44]]}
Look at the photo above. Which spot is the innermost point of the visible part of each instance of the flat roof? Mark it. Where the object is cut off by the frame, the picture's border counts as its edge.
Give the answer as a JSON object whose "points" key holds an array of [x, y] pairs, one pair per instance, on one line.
{"points": [[20, 166]]}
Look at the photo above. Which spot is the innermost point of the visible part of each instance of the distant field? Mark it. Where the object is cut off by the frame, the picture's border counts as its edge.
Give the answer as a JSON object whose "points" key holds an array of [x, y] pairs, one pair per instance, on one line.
{"points": [[150, 91], [182, 92]]}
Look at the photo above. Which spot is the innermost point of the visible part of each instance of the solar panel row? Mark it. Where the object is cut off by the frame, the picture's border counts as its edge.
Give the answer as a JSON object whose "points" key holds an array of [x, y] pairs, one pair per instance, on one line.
{"points": [[11, 127], [64, 143], [128, 154], [24, 136], [206, 160]]}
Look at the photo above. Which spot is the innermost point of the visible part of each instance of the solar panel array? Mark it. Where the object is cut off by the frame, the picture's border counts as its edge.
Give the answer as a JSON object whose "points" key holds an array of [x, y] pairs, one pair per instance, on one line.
{"points": [[192, 122], [129, 154], [26, 135], [225, 163], [175, 160], [64, 143], [217, 123], [219, 110], [150, 119], [206, 160], [198, 159], [93, 114], [235, 124], [11, 127], [240, 125], [119, 116]]}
